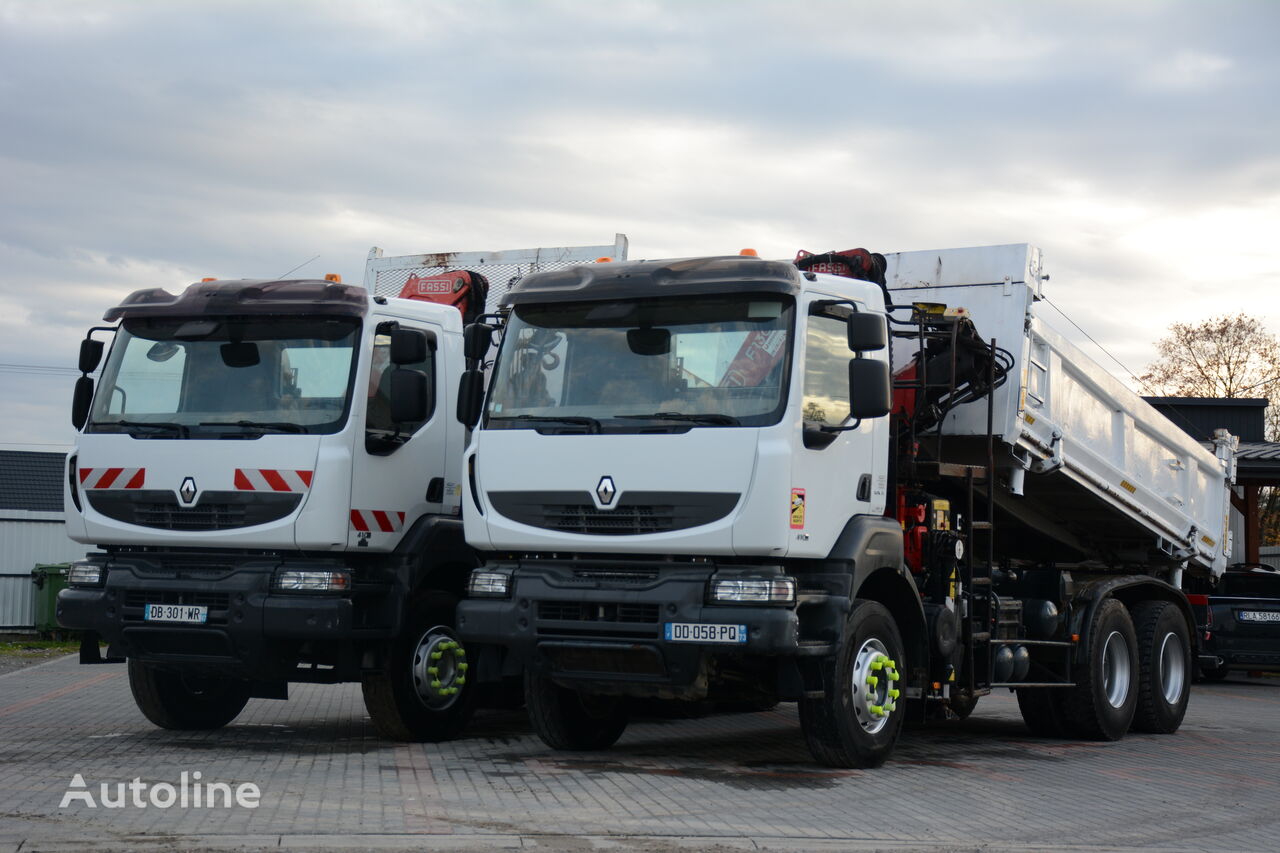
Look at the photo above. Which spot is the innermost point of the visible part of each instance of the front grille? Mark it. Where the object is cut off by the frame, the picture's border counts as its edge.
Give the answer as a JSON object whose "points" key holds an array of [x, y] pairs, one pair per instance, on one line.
{"points": [[202, 517], [634, 513], [212, 600], [174, 642], [636, 660], [579, 611], [215, 511]]}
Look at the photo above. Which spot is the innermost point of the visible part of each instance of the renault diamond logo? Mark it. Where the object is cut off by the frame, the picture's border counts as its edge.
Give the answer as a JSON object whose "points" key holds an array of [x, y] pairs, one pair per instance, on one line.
{"points": [[188, 490], [606, 491]]}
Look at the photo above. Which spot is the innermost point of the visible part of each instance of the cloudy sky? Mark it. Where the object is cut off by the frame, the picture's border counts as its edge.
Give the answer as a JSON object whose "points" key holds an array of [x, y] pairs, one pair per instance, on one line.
{"points": [[148, 144]]}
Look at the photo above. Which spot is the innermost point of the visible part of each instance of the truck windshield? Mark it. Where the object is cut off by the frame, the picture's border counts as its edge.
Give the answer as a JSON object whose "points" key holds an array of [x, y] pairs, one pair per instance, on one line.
{"points": [[693, 362], [234, 377]]}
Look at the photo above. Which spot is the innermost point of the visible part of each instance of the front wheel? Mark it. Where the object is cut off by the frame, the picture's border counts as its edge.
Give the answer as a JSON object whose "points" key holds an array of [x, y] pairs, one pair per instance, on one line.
{"points": [[423, 692], [182, 702], [566, 719], [857, 720], [1164, 667]]}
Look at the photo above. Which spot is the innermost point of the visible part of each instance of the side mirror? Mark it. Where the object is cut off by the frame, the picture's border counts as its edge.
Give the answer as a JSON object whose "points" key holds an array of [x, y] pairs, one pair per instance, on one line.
{"points": [[870, 388], [476, 338], [90, 354], [470, 397], [867, 332], [410, 346], [81, 401], [410, 396]]}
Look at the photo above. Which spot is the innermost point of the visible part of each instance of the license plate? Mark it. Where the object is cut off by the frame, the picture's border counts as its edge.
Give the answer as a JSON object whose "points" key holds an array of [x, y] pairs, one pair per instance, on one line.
{"points": [[701, 632], [1259, 616], [197, 614]]}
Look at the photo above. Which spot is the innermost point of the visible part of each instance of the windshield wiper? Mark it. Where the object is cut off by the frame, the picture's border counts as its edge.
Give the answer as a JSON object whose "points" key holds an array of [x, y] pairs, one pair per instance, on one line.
{"points": [[159, 426], [278, 426], [591, 424], [703, 418]]}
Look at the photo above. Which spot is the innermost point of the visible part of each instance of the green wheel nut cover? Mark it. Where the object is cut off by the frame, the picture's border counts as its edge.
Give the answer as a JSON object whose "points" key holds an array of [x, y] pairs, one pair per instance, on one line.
{"points": [[460, 680], [462, 667], [436, 684], [872, 681], [876, 710], [894, 694], [458, 651], [437, 655], [433, 670]]}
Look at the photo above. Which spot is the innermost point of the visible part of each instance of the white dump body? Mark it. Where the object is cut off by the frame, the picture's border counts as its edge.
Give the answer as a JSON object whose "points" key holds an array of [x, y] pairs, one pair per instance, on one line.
{"points": [[1080, 455]]}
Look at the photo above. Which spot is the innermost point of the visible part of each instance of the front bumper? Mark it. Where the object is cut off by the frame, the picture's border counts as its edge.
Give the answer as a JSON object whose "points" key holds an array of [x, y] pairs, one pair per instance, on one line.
{"points": [[250, 629], [606, 629]]}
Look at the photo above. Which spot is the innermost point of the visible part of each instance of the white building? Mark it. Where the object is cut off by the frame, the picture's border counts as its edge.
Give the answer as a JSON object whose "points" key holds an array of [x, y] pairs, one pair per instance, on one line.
{"points": [[31, 527]]}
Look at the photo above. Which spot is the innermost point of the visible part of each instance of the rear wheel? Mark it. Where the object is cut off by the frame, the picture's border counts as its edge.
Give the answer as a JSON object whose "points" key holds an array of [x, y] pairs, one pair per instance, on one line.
{"points": [[1102, 704], [566, 719], [183, 702], [1164, 667], [422, 692], [857, 720]]}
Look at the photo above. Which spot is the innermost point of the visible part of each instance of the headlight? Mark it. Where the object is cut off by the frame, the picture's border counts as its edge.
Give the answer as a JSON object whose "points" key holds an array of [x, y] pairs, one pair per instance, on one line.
{"points": [[489, 584], [306, 580], [85, 574], [754, 591]]}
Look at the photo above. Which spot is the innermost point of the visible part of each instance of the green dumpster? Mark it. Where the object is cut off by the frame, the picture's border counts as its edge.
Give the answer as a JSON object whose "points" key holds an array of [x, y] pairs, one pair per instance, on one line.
{"points": [[49, 580]]}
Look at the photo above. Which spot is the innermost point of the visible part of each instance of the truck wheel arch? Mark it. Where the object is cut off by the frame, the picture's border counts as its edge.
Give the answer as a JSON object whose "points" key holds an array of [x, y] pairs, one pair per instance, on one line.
{"points": [[1130, 590], [896, 590]]}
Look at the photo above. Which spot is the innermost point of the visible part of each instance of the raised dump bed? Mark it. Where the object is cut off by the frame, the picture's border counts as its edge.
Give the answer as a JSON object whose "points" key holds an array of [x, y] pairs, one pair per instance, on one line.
{"points": [[1083, 462]]}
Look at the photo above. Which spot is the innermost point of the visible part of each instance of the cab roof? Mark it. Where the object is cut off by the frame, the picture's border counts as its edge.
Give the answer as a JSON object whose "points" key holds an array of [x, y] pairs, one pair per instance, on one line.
{"points": [[682, 277], [246, 296]]}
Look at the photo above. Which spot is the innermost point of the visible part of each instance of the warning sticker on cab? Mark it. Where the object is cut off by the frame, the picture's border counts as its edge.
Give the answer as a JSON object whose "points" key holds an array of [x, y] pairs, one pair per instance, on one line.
{"points": [[797, 509]]}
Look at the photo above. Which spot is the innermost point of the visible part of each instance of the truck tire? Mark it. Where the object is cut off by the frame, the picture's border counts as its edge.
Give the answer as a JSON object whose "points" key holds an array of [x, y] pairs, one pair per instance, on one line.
{"points": [[1164, 667], [422, 692], [181, 702], [857, 720], [1041, 709], [567, 720], [1102, 704]]}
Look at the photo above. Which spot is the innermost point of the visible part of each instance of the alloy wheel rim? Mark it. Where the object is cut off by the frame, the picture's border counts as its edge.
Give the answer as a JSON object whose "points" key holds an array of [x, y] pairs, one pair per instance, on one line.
{"points": [[874, 686], [1117, 670], [1173, 668], [438, 668]]}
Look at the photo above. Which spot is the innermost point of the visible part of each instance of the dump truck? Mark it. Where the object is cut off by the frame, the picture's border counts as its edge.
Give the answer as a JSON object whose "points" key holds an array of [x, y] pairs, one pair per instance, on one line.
{"points": [[269, 472], [879, 486]]}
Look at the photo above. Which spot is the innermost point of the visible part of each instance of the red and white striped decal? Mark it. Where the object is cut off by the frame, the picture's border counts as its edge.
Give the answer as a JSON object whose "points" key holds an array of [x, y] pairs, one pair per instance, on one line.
{"points": [[112, 478], [376, 520], [272, 480]]}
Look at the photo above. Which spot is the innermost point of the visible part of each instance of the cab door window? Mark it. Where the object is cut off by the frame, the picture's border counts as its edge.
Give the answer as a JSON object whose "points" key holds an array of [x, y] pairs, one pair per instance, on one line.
{"points": [[826, 372], [382, 434]]}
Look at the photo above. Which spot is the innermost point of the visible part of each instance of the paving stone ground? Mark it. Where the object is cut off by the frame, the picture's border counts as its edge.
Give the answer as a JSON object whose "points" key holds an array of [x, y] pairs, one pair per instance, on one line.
{"points": [[727, 781]]}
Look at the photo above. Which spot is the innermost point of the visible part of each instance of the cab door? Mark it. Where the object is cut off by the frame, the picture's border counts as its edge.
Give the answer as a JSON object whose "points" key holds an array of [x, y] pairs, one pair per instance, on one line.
{"points": [[839, 469], [398, 467]]}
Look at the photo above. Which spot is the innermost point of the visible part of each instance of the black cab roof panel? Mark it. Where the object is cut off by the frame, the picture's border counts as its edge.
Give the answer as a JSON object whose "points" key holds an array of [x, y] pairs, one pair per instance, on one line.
{"points": [[630, 279], [246, 296]]}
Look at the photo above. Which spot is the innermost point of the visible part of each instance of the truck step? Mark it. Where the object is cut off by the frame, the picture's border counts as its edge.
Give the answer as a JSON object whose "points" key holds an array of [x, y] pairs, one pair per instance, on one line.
{"points": [[814, 648]]}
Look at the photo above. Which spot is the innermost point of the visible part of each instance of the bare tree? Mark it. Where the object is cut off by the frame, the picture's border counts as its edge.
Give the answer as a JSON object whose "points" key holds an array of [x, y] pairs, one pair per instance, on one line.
{"points": [[1229, 356]]}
